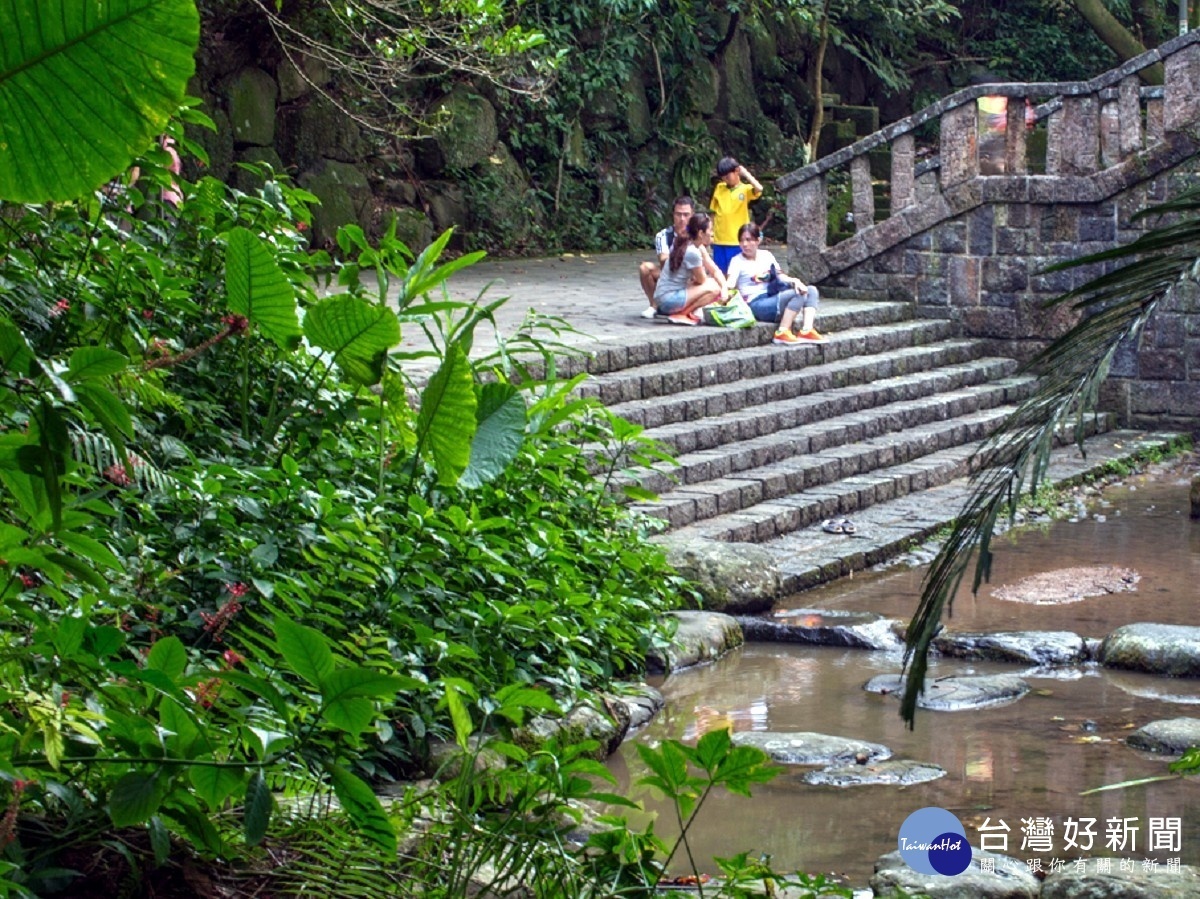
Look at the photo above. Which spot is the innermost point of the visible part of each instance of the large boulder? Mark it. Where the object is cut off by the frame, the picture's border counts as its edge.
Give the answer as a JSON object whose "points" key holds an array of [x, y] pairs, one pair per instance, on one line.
{"points": [[804, 748], [465, 134], [731, 577], [1167, 649], [739, 98], [1007, 879], [251, 95], [345, 198], [699, 637], [1103, 878], [295, 83], [447, 205], [315, 129], [1172, 736]]}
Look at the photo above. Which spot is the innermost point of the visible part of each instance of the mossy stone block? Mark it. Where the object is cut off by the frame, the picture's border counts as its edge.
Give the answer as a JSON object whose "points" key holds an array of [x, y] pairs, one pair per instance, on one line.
{"points": [[252, 94]]}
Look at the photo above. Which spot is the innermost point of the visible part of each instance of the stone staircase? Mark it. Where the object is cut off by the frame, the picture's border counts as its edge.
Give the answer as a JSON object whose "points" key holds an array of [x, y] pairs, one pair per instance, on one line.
{"points": [[880, 424]]}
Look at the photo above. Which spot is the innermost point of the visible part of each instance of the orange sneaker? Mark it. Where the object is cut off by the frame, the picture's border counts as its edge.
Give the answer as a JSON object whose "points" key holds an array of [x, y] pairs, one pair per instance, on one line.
{"points": [[811, 336], [786, 338]]}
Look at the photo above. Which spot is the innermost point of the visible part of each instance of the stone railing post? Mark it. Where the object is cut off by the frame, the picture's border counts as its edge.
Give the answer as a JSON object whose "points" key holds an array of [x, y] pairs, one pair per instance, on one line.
{"points": [[807, 215], [1074, 138], [862, 194], [904, 154], [1014, 137], [1129, 116], [1154, 121], [1110, 133], [959, 145], [1181, 97]]}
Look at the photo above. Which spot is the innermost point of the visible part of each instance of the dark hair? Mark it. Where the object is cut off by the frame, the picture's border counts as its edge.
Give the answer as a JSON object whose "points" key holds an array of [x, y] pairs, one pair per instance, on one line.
{"points": [[726, 165], [749, 228], [683, 200], [697, 224]]}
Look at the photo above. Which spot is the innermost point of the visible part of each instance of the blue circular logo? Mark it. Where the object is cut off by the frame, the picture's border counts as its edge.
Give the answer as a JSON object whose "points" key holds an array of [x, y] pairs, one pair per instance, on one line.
{"points": [[933, 841]]}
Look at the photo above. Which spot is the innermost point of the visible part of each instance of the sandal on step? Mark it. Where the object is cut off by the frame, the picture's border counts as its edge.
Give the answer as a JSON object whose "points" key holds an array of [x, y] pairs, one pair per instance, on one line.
{"points": [[848, 526], [829, 526]]}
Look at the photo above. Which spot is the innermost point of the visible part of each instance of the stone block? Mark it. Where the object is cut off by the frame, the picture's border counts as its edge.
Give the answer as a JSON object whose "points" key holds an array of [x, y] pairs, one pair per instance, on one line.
{"points": [[1000, 274], [980, 228], [252, 94], [1164, 365]]}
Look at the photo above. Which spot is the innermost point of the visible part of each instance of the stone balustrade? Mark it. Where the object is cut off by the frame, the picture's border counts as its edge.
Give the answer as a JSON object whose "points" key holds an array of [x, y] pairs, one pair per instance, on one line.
{"points": [[1092, 127], [978, 215]]}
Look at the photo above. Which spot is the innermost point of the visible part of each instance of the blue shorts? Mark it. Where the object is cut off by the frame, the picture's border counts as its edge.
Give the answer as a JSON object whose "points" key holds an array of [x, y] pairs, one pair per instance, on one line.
{"points": [[672, 301], [722, 255]]}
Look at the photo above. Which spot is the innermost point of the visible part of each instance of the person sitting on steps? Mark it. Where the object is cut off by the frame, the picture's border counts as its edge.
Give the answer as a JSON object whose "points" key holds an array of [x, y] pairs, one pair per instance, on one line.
{"points": [[687, 282], [750, 272], [681, 210]]}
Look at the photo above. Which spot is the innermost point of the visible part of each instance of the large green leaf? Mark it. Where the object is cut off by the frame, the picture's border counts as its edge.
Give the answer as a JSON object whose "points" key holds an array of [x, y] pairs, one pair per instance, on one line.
{"points": [[361, 804], [499, 433], [446, 424], [259, 806], [135, 797], [305, 649], [349, 695], [358, 333], [85, 87], [88, 362], [256, 288]]}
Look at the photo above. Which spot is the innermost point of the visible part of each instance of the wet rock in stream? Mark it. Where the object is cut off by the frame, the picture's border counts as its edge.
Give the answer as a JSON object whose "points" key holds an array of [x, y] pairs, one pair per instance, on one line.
{"points": [[823, 627], [894, 772], [811, 748], [957, 693], [1009, 879], [1042, 648], [1173, 736]]}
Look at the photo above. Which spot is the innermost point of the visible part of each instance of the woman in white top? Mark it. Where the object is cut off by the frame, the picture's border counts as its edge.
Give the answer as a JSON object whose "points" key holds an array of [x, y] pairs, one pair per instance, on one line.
{"points": [[689, 279], [750, 273]]}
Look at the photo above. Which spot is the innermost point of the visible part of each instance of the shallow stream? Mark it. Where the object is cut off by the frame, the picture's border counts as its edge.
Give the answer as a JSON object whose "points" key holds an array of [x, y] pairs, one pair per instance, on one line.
{"points": [[1030, 759]]}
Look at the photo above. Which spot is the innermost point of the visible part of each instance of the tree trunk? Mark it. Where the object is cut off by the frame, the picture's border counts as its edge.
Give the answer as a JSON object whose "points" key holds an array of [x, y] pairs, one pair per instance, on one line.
{"points": [[1116, 36], [816, 82]]}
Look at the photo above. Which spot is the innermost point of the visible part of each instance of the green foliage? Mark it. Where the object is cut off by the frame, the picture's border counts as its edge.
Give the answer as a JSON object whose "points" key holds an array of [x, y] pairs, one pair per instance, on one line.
{"points": [[238, 565], [1036, 40], [82, 88]]}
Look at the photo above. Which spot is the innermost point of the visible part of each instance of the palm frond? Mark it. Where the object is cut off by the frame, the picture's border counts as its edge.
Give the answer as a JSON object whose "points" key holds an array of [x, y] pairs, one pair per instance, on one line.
{"points": [[1115, 307]]}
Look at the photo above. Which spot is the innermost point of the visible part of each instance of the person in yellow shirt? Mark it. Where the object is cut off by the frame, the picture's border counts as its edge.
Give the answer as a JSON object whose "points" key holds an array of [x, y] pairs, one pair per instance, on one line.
{"points": [[730, 207]]}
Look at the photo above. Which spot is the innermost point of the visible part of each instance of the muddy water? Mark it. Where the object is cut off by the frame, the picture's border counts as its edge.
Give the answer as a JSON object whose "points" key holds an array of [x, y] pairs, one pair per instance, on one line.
{"points": [[1030, 759]]}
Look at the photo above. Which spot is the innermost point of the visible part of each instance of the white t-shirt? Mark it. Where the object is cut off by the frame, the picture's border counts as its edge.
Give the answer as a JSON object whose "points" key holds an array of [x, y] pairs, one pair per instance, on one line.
{"points": [[750, 276]]}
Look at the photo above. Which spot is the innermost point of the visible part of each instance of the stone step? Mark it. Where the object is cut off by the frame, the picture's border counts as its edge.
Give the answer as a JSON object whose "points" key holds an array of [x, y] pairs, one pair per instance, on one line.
{"points": [[762, 436], [807, 557], [649, 382], [665, 342], [699, 420], [761, 503]]}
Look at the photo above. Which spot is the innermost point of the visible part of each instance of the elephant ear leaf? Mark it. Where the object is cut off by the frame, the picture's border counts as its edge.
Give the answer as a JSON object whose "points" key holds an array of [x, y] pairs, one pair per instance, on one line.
{"points": [[446, 423], [85, 87], [257, 289], [357, 333], [499, 433]]}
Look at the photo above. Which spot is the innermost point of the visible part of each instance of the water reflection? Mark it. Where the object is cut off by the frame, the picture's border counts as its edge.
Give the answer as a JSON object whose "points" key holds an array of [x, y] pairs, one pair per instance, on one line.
{"points": [[1027, 760]]}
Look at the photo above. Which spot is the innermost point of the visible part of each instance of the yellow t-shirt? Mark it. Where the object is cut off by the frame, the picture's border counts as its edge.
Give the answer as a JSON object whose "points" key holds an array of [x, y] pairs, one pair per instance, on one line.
{"points": [[731, 210]]}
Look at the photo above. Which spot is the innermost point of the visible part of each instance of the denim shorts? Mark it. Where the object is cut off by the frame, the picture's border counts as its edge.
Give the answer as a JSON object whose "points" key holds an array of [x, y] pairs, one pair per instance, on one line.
{"points": [[672, 301]]}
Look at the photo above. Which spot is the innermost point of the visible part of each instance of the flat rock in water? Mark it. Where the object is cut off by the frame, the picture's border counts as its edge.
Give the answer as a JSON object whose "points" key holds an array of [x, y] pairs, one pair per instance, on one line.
{"points": [[1067, 585], [1102, 879], [957, 693], [822, 627], [1172, 736], [810, 748], [700, 637], [1009, 879], [1021, 647], [894, 772], [1167, 649]]}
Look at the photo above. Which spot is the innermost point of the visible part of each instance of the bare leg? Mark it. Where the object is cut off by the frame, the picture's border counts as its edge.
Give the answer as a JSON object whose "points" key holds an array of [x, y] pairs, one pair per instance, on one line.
{"points": [[789, 318], [648, 273], [810, 317]]}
